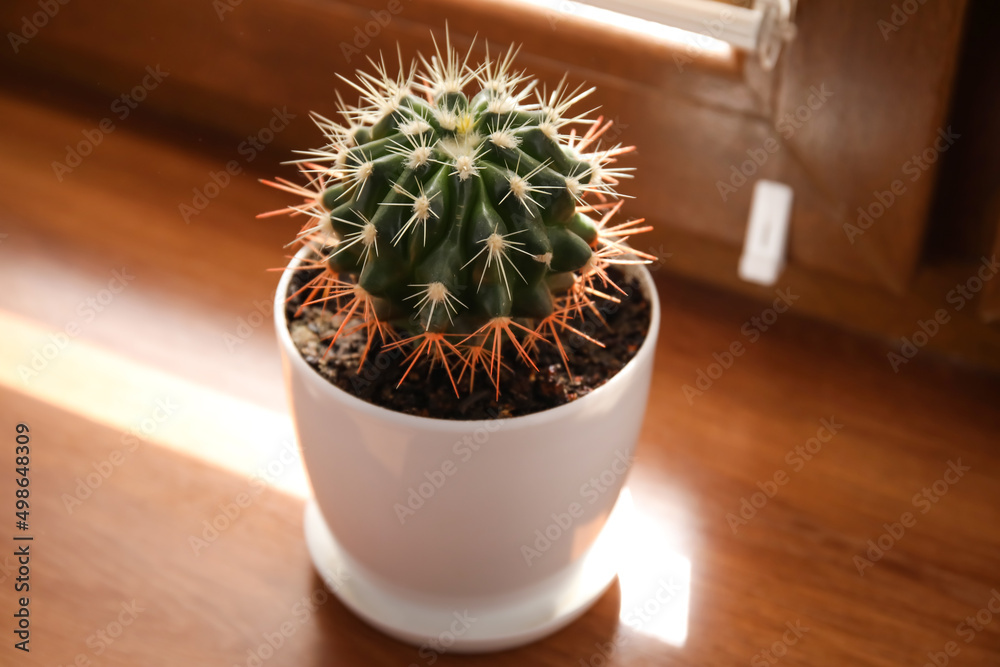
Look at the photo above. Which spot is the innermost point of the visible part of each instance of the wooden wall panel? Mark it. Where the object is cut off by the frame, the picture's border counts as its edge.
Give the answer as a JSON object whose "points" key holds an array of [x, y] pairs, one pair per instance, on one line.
{"points": [[891, 89], [989, 309], [965, 219]]}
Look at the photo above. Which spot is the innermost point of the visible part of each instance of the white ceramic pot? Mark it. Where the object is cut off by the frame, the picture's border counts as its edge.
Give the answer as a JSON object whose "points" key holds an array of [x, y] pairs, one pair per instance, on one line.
{"points": [[465, 535]]}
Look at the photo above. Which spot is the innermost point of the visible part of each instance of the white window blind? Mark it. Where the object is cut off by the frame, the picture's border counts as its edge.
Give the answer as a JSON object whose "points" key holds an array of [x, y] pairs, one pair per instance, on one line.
{"points": [[713, 26]]}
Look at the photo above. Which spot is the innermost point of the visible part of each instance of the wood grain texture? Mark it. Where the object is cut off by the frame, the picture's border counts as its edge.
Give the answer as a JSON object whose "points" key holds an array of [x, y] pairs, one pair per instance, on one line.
{"points": [[967, 204], [965, 220], [891, 88], [964, 338], [694, 123], [792, 562], [989, 309]]}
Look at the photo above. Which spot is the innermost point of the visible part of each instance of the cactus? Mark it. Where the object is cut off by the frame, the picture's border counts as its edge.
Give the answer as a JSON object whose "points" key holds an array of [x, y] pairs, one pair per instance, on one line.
{"points": [[462, 227]]}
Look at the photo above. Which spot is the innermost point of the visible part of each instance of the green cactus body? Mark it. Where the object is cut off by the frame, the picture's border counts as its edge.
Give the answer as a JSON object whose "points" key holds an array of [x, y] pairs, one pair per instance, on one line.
{"points": [[459, 219]]}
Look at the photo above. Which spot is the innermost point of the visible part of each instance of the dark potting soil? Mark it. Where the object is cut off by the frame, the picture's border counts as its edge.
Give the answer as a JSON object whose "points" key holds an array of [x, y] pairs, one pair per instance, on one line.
{"points": [[428, 392]]}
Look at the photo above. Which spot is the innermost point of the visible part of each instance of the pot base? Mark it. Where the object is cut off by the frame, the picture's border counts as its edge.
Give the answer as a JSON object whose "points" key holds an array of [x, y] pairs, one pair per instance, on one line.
{"points": [[465, 625]]}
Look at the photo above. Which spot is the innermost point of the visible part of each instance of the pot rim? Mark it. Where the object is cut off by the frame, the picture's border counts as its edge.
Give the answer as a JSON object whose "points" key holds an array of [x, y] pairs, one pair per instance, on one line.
{"points": [[461, 425]]}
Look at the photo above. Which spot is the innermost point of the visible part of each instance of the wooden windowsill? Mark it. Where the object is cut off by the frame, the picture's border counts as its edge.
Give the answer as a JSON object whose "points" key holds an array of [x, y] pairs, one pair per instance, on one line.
{"points": [[163, 338]]}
